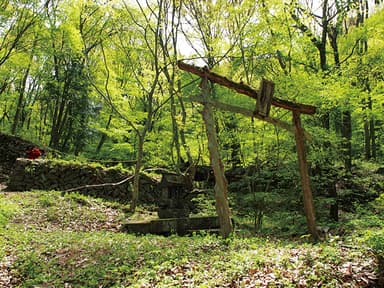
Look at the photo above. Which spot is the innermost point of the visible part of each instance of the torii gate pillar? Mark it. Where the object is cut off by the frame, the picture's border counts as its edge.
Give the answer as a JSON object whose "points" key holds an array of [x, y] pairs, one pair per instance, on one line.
{"points": [[264, 99], [305, 180], [221, 184]]}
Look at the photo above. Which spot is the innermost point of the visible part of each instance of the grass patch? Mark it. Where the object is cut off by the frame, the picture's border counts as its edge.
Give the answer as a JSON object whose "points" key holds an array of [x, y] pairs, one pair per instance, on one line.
{"points": [[50, 210], [7, 210], [97, 259], [64, 241]]}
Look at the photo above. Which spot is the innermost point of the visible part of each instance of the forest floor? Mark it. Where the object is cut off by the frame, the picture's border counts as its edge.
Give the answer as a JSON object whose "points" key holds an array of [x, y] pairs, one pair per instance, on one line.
{"points": [[52, 240]]}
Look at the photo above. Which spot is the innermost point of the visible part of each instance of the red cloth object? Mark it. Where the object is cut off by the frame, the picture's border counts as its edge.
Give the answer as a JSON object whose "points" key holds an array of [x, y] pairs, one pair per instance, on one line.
{"points": [[34, 153]]}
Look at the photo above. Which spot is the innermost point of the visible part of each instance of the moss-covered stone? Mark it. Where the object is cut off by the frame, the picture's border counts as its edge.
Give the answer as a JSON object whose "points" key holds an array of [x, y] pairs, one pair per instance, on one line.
{"points": [[43, 174]]}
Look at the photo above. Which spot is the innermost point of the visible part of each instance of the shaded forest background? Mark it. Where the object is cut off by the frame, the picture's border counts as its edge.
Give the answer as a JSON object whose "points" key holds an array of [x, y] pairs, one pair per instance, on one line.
{"points": [[100, 81]]}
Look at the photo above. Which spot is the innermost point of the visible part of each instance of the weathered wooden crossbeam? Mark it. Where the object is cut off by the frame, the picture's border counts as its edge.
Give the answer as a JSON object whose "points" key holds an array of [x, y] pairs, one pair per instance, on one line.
{"points": [[245, 89], [248, 113]]}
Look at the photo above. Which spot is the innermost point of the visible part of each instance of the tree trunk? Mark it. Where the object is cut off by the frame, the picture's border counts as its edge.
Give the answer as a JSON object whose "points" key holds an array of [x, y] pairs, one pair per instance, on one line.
{"points": [[305, 180], [322, 45], [347, 136], [80, 141], [191, 171], [233, 144], [221, 185], [373, 138], [20, 102], [136, 177], [367, 140], [367, 109], [334, 208], [175, 128], [58, 123], [104, 136]]}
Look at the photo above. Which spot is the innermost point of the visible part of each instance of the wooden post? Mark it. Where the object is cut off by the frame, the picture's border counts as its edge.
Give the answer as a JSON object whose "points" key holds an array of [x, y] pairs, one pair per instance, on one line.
{"points": [[264, 98], [305, 180], [221, 185]]}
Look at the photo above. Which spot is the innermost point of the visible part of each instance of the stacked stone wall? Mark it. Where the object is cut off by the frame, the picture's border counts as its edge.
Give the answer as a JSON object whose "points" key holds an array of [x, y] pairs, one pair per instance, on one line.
{"points": [[42, 174]]}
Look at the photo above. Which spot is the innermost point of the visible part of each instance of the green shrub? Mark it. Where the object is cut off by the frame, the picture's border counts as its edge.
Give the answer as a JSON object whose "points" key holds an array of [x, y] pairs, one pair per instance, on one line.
{"points": [[375, 240], [378, 204]]}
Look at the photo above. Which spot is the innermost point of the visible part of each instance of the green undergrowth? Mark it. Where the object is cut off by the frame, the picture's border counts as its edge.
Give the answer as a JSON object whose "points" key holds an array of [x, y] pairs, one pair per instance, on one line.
{"points": [[105, 259], [74, 241], [7, 211]]}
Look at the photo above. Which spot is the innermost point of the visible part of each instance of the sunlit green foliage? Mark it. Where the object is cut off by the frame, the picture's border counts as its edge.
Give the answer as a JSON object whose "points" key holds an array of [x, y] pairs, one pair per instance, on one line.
{"points": [[99, 80]]}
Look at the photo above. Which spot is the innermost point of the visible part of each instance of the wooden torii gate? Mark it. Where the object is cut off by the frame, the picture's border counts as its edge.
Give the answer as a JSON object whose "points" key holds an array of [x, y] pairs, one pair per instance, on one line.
{"points": [[264, 99]]}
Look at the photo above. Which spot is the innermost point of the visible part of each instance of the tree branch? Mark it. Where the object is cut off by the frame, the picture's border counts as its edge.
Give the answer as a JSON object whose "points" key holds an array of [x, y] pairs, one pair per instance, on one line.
{"points": [[99, 185]]}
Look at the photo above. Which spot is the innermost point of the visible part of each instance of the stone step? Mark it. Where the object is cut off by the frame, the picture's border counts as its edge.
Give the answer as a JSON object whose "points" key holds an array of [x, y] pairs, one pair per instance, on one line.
{"points": [[169, 226]]}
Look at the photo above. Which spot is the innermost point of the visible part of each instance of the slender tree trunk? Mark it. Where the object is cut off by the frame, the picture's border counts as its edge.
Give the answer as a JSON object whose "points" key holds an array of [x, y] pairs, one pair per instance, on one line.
{"points": [[192, 168], [61, 115], [334, 208], [322, 45], [20, 102], [305, 180], [66, 137], [371, 124], [367, 140], [53, 132], [4, 86], [234, 145], [81, 135], [104, 136], [221, 185], [136, 178], [373, 138], [140, 150], [347, 137], [175, 128], [57, 123], [63, 124]]}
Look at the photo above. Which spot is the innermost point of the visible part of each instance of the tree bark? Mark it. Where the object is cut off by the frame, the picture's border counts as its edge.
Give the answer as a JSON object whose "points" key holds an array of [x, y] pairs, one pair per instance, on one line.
{"points": [[20, 102], [373, 138], [103, 136], [334, 207], [221, 185], [321, 46], [136, 177], [305, 180], [191, 170], [367, 140], [347, 137], [319, 42], [369, 130]]}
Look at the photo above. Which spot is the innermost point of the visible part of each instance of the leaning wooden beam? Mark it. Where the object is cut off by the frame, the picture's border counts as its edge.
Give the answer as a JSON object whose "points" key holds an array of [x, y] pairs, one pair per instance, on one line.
{"points": [[246, 112], [305, 179], [244, 89], [221, 185]]}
